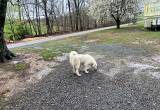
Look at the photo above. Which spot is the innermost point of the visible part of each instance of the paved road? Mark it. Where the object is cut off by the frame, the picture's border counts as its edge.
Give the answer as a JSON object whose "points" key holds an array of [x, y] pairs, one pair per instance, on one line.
{"points": [[59, 37], [116, 86]]}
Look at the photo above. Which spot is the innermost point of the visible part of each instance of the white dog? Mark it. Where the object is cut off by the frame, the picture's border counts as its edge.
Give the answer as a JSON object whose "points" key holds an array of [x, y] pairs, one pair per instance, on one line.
{"points": [[76, 60]]}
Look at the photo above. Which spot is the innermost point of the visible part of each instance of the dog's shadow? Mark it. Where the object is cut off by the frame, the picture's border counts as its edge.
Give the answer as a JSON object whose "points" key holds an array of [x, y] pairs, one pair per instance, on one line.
{"points": [[93, 78]]}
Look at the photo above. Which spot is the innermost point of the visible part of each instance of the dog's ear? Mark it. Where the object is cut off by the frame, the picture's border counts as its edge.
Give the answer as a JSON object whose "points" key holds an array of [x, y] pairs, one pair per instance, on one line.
{"points": [[91, 64]]}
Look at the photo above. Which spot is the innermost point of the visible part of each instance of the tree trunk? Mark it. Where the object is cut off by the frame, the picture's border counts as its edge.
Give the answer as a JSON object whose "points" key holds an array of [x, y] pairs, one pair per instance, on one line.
{"points": [[77, 18], [80, 21], [117, 20], [38, 20], [95, 24], [4, 52], [118, 23], [19, 9], [76, 14], [49, 30], [70, 15]]}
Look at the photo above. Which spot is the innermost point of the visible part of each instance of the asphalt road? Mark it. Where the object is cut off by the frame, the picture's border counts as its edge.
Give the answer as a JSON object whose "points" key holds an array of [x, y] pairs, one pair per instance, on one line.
{"points": [[113, 87]]}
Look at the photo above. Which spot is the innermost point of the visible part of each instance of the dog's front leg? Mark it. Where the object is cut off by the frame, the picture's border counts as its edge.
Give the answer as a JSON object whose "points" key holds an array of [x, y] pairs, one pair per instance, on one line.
{"points": [[86, 68], [77, 72]]}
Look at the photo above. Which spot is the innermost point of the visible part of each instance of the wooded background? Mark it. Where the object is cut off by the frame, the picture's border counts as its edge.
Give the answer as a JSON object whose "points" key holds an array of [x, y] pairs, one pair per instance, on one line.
{"points": [[39, 17], [25, 18]]}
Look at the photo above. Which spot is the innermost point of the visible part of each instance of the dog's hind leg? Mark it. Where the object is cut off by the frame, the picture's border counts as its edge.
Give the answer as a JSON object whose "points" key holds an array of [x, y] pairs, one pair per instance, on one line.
{"points": [[77, 70], [73, 69]]}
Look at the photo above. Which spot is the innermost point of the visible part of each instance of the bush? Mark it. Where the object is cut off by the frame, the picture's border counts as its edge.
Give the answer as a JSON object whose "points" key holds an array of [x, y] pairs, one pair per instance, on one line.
{"points": [[14, 37], [19, 31]]}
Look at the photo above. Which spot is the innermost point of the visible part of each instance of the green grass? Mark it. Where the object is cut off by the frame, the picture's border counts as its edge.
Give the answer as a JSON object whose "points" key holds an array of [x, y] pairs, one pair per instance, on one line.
{"points": [[21, 66], [48, 55], [126, 35], [50, 50], [2, 103]]}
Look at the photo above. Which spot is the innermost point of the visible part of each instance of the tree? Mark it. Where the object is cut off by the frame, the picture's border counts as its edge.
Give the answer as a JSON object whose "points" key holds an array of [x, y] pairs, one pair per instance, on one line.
{"points": [[70, 14], [19, 9], [38, 20], [4, 51], [44, 2], [78, 4], [117, 9]]}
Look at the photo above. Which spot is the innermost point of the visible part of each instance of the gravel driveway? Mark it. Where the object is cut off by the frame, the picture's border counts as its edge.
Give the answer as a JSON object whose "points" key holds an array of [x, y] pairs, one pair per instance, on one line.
{"points": [[127, 79]]}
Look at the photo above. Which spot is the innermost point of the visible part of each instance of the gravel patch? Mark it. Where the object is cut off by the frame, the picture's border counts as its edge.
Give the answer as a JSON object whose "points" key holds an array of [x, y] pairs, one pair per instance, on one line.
{"points": [[115, 86]]}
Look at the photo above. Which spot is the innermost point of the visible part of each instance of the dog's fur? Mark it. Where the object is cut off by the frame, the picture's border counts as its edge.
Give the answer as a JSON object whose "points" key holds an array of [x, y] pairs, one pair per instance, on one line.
{"points": [[76, 60]]}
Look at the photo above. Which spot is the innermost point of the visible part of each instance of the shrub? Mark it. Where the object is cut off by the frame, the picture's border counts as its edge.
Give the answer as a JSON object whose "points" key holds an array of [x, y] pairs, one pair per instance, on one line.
{"points": [[14, 37], [20, 30]]}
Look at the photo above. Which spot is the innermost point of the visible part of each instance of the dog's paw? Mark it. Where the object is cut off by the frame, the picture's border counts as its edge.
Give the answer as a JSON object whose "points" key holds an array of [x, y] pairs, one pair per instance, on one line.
{"points": [[86, 72], [79, 75]]}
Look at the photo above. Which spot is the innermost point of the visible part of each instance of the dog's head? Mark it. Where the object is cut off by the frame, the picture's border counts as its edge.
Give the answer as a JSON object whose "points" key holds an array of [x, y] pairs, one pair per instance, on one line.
{"points": [[94, 66]]}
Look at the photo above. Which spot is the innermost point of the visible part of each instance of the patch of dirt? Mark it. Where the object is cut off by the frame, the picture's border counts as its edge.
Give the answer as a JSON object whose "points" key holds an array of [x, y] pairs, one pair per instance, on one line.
{"points": [[24, 40], [116, 59], [90, 41], [31, 39], [156, 58], [147, 42], [13, 81], [147, 66], [151, 42], [136, 43]]}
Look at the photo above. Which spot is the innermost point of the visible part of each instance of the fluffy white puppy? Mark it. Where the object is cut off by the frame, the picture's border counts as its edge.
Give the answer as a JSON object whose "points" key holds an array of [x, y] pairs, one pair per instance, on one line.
{"points": [[76, 60]]}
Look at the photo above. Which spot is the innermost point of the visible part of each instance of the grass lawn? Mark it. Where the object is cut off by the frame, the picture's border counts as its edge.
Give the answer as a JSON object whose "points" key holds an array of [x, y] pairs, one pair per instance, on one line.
{"points": [[126, 35], [132, 35], [48, 51]]}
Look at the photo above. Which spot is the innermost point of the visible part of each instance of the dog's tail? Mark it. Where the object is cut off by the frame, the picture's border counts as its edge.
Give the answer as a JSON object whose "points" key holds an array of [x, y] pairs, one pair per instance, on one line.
{"points": [[72, 56], [73, 53]]}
